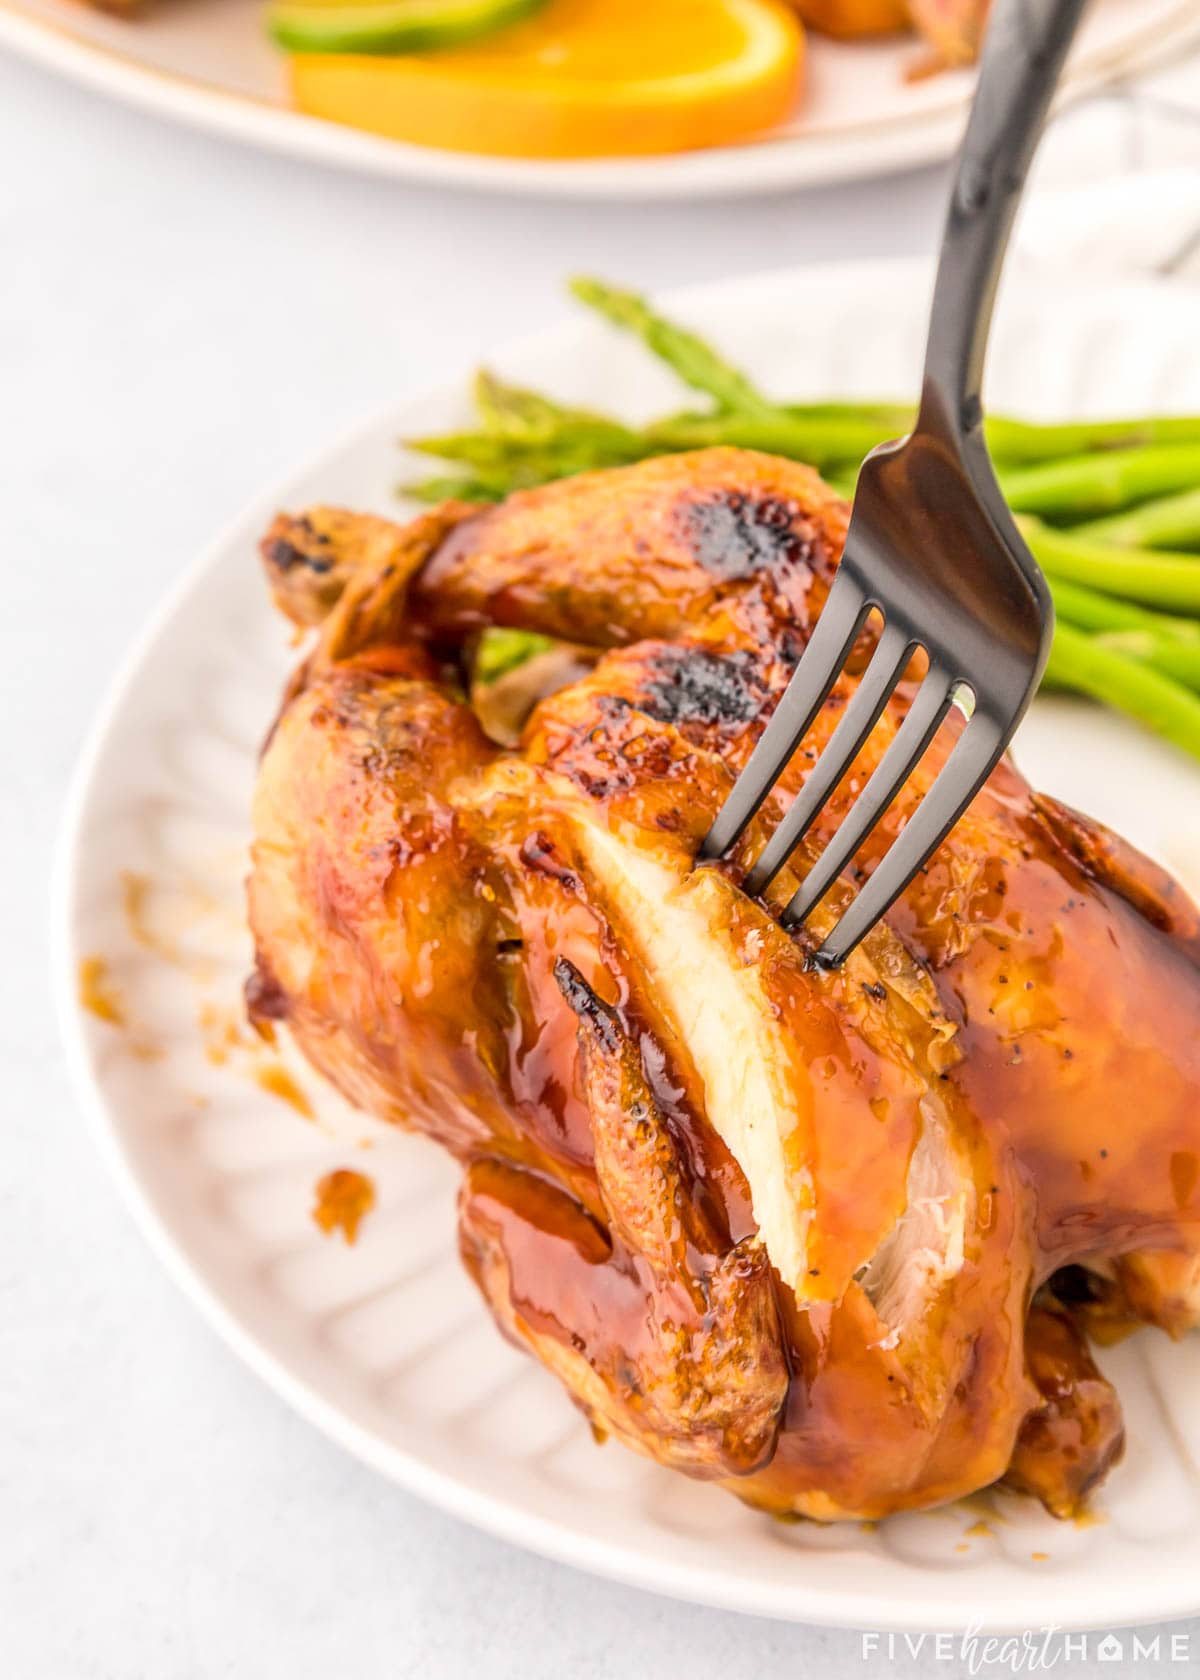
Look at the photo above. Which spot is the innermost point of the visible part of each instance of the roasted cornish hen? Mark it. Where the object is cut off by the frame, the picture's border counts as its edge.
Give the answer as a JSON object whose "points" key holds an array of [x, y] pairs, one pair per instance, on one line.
{"points": [[833, 1238]]}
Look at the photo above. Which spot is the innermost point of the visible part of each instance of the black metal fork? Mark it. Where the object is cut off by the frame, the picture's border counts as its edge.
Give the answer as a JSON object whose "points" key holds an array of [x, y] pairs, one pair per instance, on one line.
{"points": [[931, 544]]}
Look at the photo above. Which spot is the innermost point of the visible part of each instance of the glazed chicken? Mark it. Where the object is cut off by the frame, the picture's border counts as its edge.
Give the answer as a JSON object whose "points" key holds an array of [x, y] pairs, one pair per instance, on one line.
{"points": [[835, 1239]]}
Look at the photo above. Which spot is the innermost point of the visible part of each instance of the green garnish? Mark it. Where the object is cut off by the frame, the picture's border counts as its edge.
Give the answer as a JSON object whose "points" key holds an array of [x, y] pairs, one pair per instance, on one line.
{"points": [[389, 26], [501, 651]]}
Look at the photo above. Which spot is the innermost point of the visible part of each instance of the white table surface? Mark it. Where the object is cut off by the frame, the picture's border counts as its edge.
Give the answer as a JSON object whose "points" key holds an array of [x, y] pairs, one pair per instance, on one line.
{"points": [[180, 321]]}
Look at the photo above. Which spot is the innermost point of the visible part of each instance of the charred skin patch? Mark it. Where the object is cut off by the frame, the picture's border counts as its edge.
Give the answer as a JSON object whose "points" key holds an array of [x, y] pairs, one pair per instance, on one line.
{"points": [[300, 546], [306, 569], [690, 686], [734, 535]]}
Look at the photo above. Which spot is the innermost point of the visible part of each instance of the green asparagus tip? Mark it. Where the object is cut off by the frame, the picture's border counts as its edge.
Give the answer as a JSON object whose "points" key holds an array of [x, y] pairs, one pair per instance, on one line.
{"points": [[1169, 582]]}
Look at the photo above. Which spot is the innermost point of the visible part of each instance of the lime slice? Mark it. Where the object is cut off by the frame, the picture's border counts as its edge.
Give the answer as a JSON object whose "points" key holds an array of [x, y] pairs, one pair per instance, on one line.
{"points": [[389, 26]]}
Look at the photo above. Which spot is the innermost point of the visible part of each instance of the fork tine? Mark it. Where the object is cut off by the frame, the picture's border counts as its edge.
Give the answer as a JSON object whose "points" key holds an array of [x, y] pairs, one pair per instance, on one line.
{"points": [[867, 702], [914, 735], [975, 755], [843, 616]]}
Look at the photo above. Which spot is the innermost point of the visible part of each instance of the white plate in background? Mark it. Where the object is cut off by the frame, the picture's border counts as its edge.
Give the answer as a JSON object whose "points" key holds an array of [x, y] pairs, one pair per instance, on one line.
{"points": [[209, 64], [386, 1346]]}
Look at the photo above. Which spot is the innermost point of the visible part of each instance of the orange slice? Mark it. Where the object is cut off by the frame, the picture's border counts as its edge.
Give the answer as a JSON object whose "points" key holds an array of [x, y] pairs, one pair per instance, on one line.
{"points": [[582, 78], [849, 18]]}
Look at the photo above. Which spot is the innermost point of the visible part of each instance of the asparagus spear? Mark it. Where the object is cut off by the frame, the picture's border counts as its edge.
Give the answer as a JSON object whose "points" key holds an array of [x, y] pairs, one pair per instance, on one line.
{"points": [[523, 416], [1174, 659], [484, 482], [513, 410], [580, 446], [821, 443], [1032, 441], [696, 363], [889, 420], [1167, 581], [454, 487], [577, 444], [1168, 522], [1089, 486], [1171, 645], [1086, 664], [1019, 443], [1088, 609], [847, 432]]}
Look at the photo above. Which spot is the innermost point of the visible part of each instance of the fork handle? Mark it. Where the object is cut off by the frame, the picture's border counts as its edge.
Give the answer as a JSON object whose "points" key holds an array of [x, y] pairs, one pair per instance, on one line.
{"points": [[1023, 53]]}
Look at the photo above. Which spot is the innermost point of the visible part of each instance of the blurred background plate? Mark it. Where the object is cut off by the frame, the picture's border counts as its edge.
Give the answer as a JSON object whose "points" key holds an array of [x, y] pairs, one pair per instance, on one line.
{"points": [[208, 63], [385, 1345]]}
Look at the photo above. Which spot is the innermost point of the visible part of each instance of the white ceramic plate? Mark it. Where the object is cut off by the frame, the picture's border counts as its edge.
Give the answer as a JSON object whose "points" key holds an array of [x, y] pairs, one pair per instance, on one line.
{"points": [[208, 63], [385, 1345]]}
